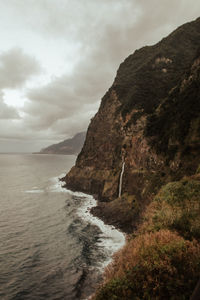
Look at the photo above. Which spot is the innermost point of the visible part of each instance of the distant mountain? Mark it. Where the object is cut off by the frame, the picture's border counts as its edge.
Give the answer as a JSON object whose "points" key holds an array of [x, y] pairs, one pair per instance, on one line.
{"points": [[69, 146]]}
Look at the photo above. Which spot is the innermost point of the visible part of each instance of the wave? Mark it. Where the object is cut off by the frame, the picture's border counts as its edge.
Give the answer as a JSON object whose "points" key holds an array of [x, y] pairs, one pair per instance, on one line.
{"points": [[97, 240], [34, 191], [111, 239]]}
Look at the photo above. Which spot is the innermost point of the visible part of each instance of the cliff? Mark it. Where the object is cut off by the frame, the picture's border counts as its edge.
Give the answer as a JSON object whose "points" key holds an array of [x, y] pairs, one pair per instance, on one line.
{"points": [[141, 158], [69, 146], [148, 119]]}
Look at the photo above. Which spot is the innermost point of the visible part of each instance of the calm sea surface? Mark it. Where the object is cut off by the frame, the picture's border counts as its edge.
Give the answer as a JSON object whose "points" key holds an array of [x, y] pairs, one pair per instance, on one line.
{"points": [[47, 249]]}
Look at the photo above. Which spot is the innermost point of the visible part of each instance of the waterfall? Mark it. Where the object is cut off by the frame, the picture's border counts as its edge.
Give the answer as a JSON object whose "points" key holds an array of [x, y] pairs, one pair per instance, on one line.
{"points": [[120, 181]]}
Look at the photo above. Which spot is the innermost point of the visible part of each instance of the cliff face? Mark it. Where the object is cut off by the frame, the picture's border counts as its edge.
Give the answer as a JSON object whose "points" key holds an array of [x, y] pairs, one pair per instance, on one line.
{"points": [[149, 119], [69, 146]]}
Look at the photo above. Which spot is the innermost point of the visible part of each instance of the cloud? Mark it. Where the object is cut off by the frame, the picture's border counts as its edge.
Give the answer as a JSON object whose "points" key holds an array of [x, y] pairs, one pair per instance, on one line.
{"points": [[107, 32], [99, 34], [16, 68], [7, 112], [73, 98]]}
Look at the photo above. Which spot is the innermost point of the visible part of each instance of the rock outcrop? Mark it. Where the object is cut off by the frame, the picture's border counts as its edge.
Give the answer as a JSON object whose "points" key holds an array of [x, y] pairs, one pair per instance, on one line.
{"points": [[69, 146], [149, 119]]}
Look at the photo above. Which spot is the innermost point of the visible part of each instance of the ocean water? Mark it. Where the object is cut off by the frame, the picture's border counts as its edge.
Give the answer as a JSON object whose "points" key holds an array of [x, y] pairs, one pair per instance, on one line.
{"points": [[50, 245]]}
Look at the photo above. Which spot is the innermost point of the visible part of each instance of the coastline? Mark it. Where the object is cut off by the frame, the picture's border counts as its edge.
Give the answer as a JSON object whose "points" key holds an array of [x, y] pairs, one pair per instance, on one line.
{"points": [[113, 217], [111, 238]]}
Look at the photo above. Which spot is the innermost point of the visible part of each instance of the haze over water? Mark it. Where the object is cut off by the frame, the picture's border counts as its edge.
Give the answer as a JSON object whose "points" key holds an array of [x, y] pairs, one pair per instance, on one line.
{"points": [[47, 251]]}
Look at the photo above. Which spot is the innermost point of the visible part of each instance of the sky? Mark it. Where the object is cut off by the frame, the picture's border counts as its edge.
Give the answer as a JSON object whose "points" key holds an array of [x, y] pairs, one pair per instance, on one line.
{"points": [[59, 57]]}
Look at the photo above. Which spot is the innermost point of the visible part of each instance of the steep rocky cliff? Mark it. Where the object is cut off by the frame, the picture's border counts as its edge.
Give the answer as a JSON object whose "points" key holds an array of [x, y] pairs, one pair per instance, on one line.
{"points": [[148, 119], [68, 147]]}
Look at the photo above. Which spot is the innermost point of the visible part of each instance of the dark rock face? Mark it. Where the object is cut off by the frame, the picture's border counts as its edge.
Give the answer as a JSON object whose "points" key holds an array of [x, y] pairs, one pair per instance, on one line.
{"points": [[150, 119], [69, 146]]}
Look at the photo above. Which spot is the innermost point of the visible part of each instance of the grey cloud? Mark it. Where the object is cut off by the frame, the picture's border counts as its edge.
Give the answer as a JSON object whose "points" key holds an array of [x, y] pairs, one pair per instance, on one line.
{"points": [[84, 20], [16, 68], [15, 129], [59, 118], [76, 122], [15, 145], [107, 40], [7, 112], [55, 18], [106, 32], [67, 97]]}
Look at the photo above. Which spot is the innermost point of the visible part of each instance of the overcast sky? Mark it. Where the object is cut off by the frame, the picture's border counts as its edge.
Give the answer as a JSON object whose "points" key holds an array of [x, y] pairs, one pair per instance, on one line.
{"points": [[58, 58]]}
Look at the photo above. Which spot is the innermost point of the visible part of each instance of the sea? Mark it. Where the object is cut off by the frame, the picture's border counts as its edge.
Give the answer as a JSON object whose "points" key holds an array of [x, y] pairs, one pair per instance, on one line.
{"points": [[51, 247]]}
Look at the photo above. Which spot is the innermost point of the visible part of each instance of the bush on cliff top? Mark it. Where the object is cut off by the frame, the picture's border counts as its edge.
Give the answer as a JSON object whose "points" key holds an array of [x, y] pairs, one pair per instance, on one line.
{"points": [[160, 265], [177, 207]]}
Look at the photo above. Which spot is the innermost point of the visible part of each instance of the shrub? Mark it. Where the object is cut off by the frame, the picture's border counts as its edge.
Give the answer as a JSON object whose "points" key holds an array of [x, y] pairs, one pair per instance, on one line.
{"points": [[159, 265], [177, 207]]}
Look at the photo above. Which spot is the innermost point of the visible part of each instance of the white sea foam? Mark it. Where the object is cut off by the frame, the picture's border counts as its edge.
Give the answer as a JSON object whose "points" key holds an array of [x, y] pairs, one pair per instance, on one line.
{"points": [[111, 239], [34, 191], [57, 185]]}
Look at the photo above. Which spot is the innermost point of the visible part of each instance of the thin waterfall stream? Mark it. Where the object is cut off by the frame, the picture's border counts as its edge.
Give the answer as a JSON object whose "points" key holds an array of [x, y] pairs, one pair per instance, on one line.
{"points": [[121, 177]]}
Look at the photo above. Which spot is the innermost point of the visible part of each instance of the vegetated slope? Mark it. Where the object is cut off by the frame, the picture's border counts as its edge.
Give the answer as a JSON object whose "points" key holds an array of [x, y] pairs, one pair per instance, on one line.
{"points": [[69, 146], [161, 260], [150, 119]]}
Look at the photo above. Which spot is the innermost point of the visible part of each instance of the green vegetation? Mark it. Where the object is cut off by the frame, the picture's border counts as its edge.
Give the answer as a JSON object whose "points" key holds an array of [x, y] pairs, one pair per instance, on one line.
{"points": [[159, 265], [178, 208], [162, 259], [175, 119], [150, 116], [141, 72]]}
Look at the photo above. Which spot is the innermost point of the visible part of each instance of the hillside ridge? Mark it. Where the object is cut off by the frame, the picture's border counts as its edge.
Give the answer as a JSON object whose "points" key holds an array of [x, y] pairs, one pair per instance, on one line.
{"points": [[68, 146]]}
